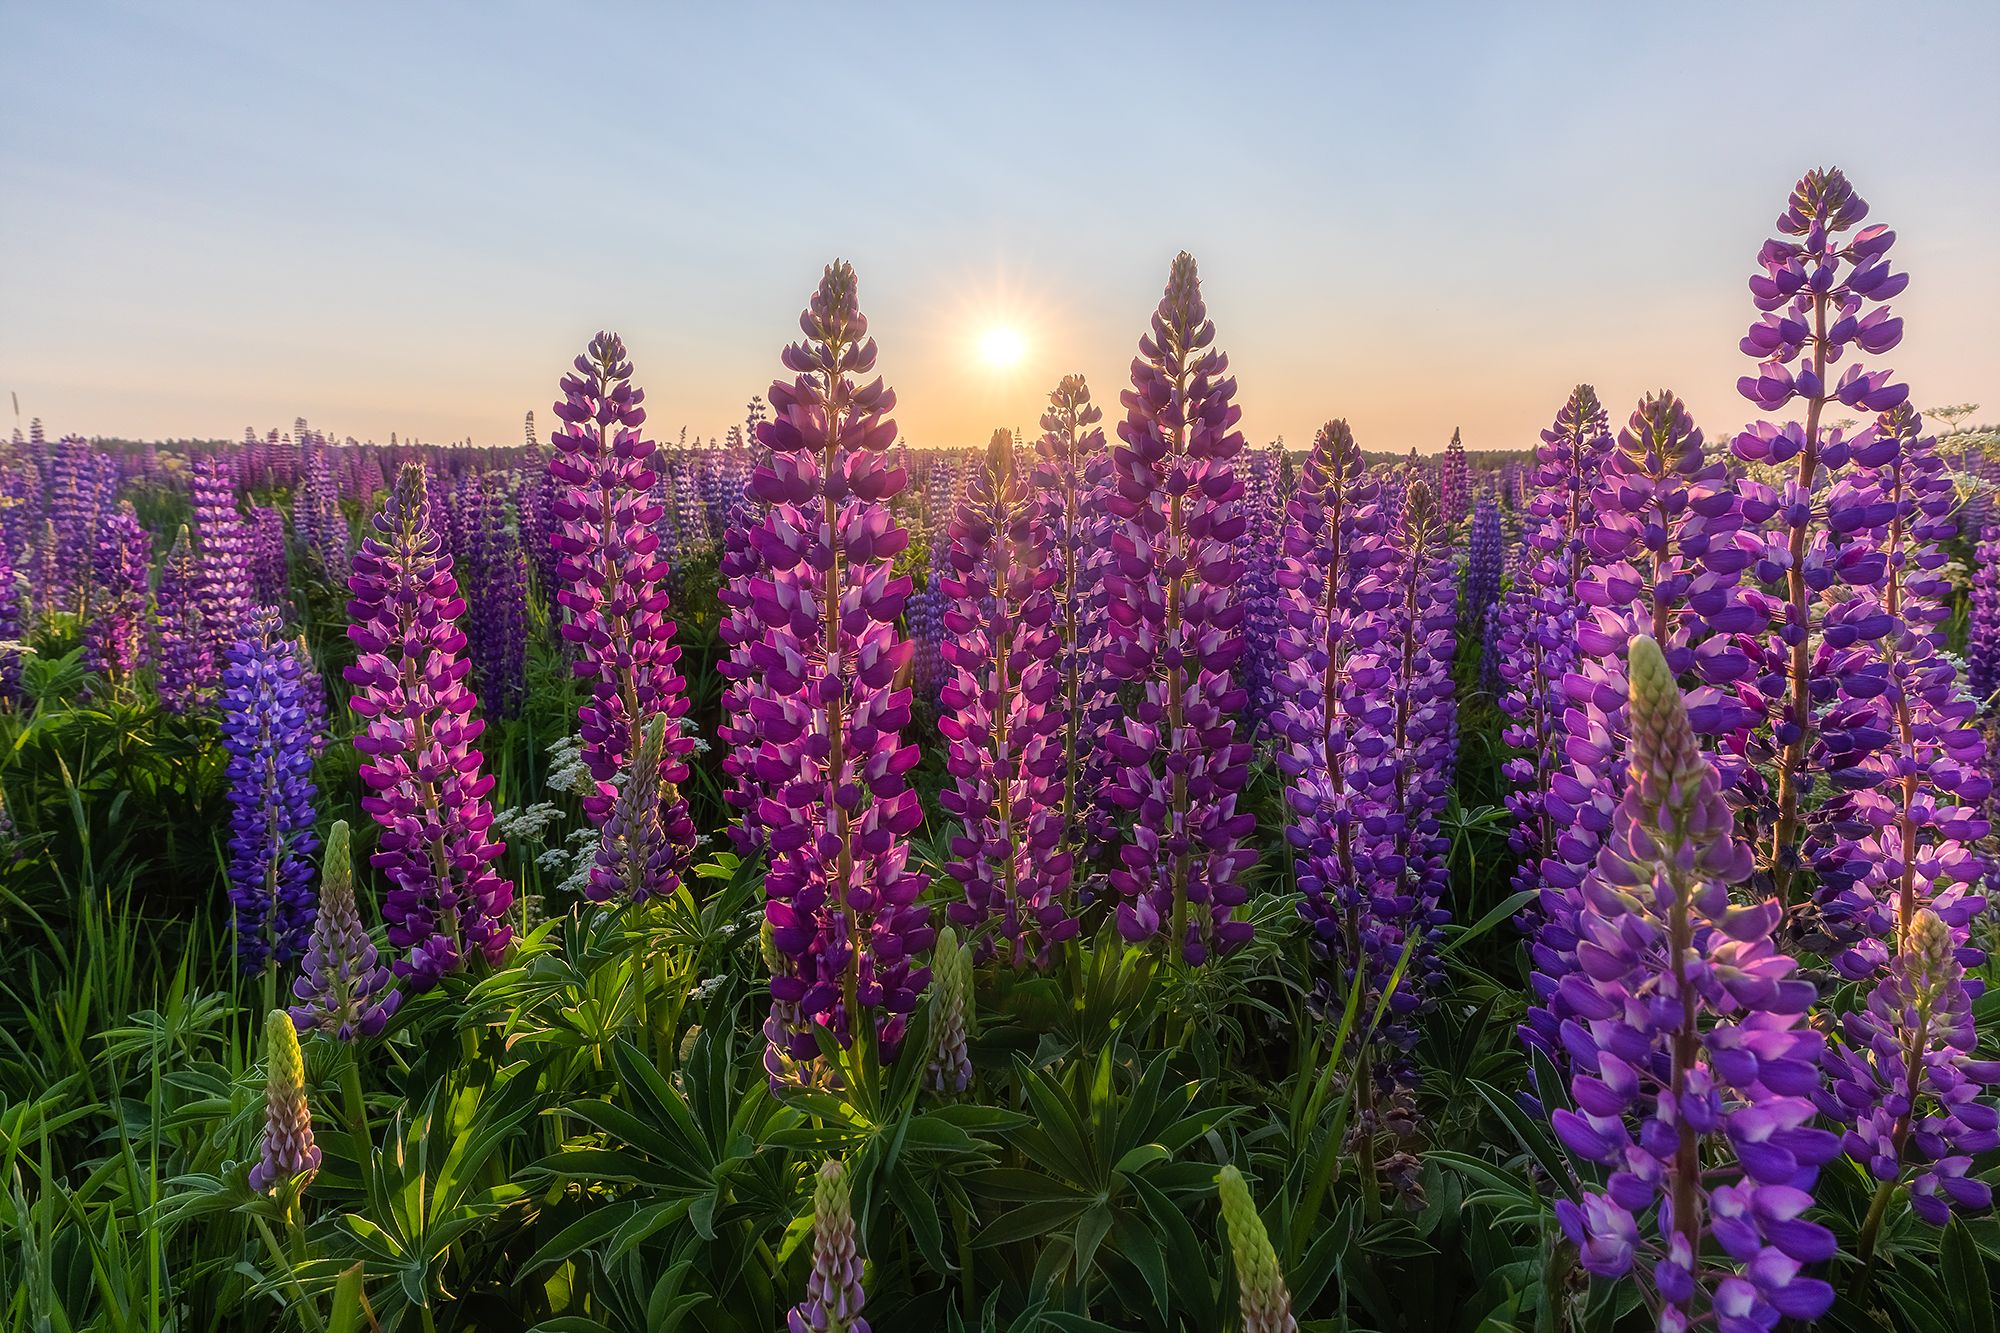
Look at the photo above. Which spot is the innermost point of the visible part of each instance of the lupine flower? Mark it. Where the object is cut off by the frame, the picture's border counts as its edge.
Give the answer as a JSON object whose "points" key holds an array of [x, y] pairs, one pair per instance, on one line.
{"points": [[1908, 1079], [271, 792], [114, 637], [286, 1152], [833, 1293], [1003, 720], [1982, 630], [1071, 478], [949, 1068], [222, 554], [317, 520], [1814, 291], [423, 776], [1175, 618], [840, 897], [613, 588], [11, 625], [1263, 1302], [1257, 550], [741, 628], [82, 485], [1454, 483], [1661, 537], [270, 576], [1484, 561], [341, 989], [184, 661], [638, 855], [496, 580], [1694, 1067]]}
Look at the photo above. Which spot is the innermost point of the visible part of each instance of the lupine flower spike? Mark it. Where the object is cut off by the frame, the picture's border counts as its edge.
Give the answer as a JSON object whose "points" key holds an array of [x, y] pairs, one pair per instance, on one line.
{"points": [[342, 989], [950, 1066], [1263, 1302], [286, 1153], [833, 1293]]}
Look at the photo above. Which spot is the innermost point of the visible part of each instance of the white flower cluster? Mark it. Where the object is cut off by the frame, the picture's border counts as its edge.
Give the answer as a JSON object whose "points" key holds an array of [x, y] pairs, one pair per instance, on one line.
{"points": [[566, 771]]}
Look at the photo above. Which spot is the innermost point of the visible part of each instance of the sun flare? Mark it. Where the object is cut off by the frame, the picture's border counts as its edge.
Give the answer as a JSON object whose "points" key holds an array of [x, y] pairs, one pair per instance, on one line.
{"points": [[1001, 346]]}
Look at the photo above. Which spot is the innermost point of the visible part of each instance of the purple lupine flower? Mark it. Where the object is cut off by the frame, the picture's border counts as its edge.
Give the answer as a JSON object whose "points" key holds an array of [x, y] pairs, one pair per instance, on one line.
{"points": [[424, 779], [1814, 291], [1003, 721], [833, 1293], [222, 554], [1072, 477], [638, 850], [317, 519], [1982, 628], [840, 896], [1534, 640], [270, 575], [1483, 564], [496, 579], [285, 1152], [1454, 482], [1257, 550], [613, 587], [82, 485], [949, 1067], [184, 662], [1694, 1069], [12, 625], [1908, 1083], [114, 636], [1662, 538], [342, 989], [1900, 830], [271, 792], [741, 628], [1175, 616]]}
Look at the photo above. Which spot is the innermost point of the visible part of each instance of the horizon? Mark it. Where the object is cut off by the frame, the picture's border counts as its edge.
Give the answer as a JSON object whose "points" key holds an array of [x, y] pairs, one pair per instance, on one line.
{"points": [[387, 238]]}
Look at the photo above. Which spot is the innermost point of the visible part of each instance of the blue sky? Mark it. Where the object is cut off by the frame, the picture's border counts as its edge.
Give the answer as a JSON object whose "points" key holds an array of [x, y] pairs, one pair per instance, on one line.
{"points": [[409, 217]]}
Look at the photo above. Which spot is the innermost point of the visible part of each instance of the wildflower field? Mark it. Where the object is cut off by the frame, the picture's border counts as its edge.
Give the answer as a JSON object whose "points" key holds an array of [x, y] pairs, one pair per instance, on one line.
{"points": [[1125, 879]]}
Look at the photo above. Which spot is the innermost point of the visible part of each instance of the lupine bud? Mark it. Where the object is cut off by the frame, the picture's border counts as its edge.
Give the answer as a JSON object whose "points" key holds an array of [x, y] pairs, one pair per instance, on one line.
{"points": [[286, 1152], [1263, 1302], [341, 988], [949, 1069], [833, 1293]]}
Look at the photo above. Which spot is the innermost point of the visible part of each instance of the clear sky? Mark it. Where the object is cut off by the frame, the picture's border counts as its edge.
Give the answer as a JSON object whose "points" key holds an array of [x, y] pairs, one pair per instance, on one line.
{"points": [[408, 217]]}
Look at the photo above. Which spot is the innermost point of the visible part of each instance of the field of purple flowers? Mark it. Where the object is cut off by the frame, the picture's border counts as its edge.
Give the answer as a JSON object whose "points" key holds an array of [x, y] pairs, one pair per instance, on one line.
{"points": [[1119, 880]]}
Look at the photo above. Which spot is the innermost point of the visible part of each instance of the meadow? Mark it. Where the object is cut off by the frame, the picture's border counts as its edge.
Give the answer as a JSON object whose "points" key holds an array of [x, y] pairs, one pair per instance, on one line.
{"points": [[1125, 878]]}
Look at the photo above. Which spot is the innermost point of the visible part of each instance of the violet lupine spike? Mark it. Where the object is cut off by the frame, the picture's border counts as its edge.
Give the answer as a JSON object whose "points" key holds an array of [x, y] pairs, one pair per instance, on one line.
{"points": [[496, 580], [1663, 538], [614, 589], [184, 662], [12, 626], [741, 628], [639, 853], [271, 794], [1454, 482], [839, 893], [114, 636], [1071, 477], [1257, 550], [1003, 721], [222, 553], [342, 989], [1338, 716], [270, 574], [424, 780], [1694, 1067], [834, 1298], [1982, 628], [1175, 622], [317, 519], [1901, 830], [286, 1154], [1816, 292], [1484, 561], [1909, 1086]]}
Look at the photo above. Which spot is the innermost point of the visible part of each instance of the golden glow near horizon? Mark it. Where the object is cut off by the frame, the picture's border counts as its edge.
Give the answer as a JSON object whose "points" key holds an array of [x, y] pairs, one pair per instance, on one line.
{"points": [[1001, 346]]}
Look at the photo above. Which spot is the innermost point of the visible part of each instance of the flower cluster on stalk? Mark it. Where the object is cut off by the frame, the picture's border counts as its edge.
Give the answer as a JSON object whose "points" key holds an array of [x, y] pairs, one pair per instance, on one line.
{"points": [[342, 988]]}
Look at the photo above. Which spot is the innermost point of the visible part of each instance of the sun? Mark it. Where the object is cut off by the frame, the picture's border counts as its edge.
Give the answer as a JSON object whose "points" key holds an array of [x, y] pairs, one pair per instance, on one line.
{"points": [[1001, 346]]}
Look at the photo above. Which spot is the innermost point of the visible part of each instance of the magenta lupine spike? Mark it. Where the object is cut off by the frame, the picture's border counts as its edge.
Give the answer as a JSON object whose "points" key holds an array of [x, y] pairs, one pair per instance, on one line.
{"points": [[1071, 477], [222, 553], [840, 896], [1694, 1067], [184, 663], [114, 635], [1175, 622], [286, 1153], [833, 1293], [1662, 538], [424, 779], [1982, 628], [342, 989], [1454, 482], [614, 589], [1907, 762], [1909, 1085], [1816, 292], [1003, 721]]}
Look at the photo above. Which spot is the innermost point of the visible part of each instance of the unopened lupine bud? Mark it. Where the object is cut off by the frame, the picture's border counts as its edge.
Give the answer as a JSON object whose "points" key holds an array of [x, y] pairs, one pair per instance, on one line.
{"points": [[286, 1152], [950, 1066], [1263, 1301]]}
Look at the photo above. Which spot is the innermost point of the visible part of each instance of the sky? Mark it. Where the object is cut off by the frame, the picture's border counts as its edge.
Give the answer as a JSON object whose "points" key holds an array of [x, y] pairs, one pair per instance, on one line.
{"points": [[394, 217]]}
